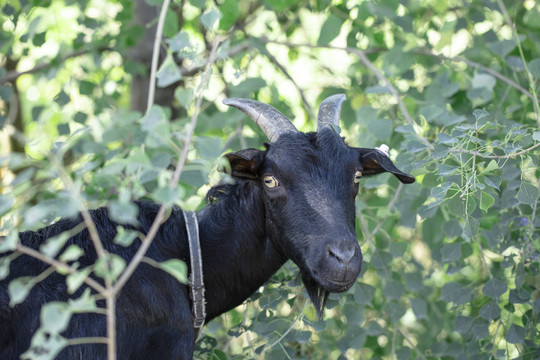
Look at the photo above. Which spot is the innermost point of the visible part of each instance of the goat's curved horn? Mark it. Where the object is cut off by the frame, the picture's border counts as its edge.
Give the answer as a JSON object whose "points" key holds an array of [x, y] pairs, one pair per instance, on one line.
{"points": [[269, 119], [330, 111]]}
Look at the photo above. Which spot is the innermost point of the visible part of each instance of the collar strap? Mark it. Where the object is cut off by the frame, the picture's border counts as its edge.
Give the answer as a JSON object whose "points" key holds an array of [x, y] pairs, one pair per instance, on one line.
{"points": [[196, 282]]}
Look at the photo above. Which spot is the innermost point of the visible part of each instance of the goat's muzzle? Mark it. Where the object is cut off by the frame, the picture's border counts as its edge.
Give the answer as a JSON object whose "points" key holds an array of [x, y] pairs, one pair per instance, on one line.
{"points": [[339, 265]]}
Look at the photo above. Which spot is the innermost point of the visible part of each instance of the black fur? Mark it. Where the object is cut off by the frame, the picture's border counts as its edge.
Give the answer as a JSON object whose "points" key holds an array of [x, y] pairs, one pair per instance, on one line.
{"points": [[246, 234]]}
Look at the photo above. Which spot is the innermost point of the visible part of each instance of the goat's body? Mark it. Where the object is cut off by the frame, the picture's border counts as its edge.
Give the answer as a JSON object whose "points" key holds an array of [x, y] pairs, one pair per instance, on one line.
{"points": [[153, 310]]}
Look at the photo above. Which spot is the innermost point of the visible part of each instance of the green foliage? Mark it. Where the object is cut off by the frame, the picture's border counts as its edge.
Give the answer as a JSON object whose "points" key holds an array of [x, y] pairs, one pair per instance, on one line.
{"points": [[450, 263]]}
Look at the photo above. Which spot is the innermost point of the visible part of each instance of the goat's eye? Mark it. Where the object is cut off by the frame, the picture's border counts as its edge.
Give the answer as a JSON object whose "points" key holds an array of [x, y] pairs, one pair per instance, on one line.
{"points": [[270, 182], [357, 177]]}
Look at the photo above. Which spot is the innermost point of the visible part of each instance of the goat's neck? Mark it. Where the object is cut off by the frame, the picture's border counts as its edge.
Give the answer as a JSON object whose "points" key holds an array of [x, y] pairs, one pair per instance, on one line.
{"points": [[238, 256]]}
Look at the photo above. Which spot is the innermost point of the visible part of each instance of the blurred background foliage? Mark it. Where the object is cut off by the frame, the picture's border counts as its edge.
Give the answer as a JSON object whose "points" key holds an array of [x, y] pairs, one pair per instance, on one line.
{"points": [[451, 263]]}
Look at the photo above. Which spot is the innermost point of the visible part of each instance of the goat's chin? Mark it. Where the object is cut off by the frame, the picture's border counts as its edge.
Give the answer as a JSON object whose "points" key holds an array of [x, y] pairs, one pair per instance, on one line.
{"points": [[318, 289]]}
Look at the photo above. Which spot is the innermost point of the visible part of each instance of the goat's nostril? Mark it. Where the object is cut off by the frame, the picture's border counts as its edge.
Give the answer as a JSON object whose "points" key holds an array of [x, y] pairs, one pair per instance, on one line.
{"points": [[334, 255], [343, 256]]}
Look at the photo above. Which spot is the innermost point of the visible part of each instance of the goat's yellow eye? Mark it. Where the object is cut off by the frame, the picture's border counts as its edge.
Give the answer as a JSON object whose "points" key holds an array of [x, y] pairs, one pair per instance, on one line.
{"points": [[270, 182], [357, 177]]}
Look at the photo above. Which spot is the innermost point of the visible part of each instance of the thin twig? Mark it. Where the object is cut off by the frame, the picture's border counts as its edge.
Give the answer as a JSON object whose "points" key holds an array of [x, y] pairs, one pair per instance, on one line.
{"points": [[508, 156], [389, 210], [282, 68], [11, 76], [155, 54], [87, 340], [512, 26], [298, 317], [418, 352], [58, 265]]}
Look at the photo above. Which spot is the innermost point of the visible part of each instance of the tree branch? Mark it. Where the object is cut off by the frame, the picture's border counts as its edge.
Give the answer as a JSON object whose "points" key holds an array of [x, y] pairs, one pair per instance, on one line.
{"points": [[11, 76]]}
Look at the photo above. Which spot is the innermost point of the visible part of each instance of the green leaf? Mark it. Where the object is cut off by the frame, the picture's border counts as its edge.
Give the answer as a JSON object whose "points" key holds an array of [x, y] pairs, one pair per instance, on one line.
{"points": [[72, 253], [210, 17], [85, 303], [393, 289], [109, 267], [470, 230], [363, 293], [45, 346], [4, 267], [176, 268], [183, 96], [280, 5], [39, 39], [535, 136], [55, 317], [62, 99], [456, 293], [516, 334], [125, 237], [462, 324], [53, 245], [493, 181], [480, 329], [229, 10], [170, 27], [494, 288], [486, 201], [483, 81], [534, 68], [166, 195], [76, 279], [503, 48], [330, 29], [527, 193], [209, 147], [490, 311], [179, 42], [419, 307], [168, 73], [6, 202], [19, 289], [451, 252], [123, 212], [479, 114], [9, 242]]}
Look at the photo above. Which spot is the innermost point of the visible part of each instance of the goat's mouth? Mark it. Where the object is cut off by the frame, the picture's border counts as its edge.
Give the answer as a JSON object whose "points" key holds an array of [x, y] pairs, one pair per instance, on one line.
{"points": [[319, 288], [337, 286]]}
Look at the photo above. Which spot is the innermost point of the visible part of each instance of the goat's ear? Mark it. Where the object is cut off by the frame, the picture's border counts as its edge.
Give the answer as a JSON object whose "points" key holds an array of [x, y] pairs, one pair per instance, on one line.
{"points": [[375, 161], [246, 163]]}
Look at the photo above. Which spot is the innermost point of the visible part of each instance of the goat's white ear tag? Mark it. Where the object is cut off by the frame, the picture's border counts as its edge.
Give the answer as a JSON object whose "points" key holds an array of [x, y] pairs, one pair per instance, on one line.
{"points": [[383, 149]]}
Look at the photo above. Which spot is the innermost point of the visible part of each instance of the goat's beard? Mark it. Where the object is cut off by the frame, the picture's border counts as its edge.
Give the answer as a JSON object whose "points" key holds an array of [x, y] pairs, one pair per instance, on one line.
{"points": [[316, 293]]}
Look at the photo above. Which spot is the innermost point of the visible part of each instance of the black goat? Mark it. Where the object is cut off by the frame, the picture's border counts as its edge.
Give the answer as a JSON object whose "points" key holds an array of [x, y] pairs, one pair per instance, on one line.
{"points": [[294, 200]]}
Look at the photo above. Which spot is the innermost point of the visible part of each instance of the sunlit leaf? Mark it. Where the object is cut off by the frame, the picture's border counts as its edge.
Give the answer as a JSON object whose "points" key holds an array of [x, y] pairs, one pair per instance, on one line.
{"points": [[486, 201], [528, 193], [168, 73], [19, 289], [330, 29], [210, 18], [55, 317]]}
